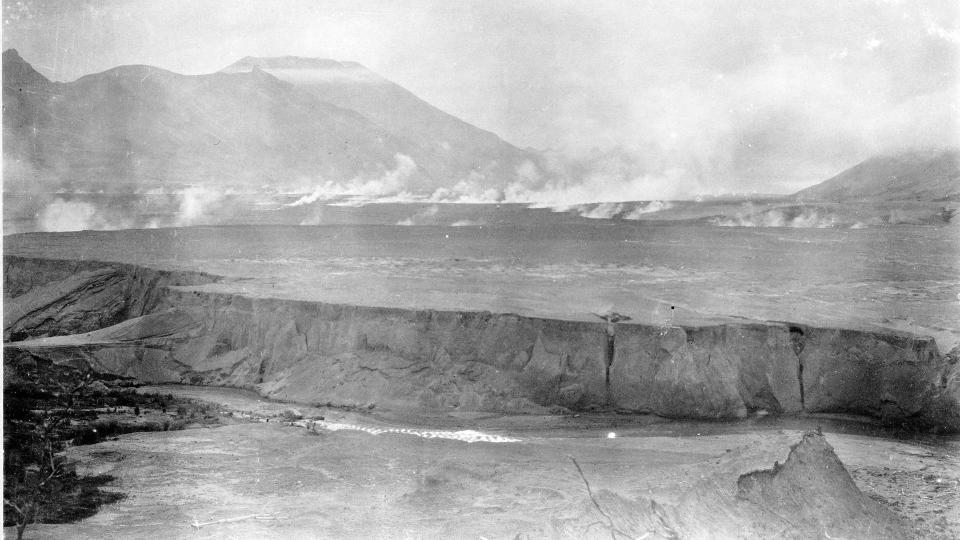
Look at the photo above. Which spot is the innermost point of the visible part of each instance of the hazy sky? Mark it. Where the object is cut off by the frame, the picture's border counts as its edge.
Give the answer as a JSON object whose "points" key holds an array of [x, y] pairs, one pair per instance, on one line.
{"points": [[715, 96]]}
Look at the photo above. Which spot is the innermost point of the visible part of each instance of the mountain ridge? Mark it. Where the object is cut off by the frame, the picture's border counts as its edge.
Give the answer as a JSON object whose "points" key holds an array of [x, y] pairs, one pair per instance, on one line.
{"points": [[299, 123], [931, 174]]}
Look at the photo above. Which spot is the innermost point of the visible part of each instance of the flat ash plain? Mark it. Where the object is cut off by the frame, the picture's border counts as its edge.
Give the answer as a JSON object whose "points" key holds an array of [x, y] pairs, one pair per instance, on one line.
{"points": [[903, 278]]}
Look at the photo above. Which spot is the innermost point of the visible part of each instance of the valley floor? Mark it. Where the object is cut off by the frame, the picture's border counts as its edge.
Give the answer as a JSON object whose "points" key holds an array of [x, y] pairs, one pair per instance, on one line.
{"points": [[262, 475]]}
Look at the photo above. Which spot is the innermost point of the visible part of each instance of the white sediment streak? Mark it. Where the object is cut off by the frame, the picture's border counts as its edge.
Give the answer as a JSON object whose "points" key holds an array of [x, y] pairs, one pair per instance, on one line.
{"points": [[467, 435]]}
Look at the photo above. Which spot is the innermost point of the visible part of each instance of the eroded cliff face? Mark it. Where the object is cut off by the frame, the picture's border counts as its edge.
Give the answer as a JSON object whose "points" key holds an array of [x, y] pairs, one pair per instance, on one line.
{"points": [[152, 325], [45, 297], [714, 371]]}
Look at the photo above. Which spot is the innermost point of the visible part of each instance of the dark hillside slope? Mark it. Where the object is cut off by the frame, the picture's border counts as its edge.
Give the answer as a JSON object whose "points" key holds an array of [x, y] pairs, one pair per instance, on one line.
{"points": [[932, 175]]}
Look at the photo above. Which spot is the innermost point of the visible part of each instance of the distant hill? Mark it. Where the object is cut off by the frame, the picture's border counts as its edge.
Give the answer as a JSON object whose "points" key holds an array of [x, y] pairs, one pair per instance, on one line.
{"points": [[932, 175], [145, 127], [446, 145]]}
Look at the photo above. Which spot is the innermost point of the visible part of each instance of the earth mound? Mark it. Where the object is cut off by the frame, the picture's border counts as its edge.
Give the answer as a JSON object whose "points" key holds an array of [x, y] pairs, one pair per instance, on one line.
{"points": [[811, 495], [816, 495]]}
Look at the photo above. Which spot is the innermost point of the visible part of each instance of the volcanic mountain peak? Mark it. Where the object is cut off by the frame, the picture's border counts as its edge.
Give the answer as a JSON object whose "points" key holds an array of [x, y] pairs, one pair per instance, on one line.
{"points": [[399, 112], [260, 121], [305, 70], [289, 62], [139, 126]]}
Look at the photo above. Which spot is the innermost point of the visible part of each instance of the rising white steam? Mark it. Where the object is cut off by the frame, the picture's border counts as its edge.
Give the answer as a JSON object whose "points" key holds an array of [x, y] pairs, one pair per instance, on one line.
{"points": [[179, 208], [424, 217], [359, 190], [651, 207], [195, 204], [601, 211], [315, 219], [62, 215], [557, 182], [806, 218], [609, 210], [308, 199]]}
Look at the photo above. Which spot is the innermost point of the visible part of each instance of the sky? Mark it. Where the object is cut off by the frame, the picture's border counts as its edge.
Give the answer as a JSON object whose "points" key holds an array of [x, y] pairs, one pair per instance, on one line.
{"points": [[682, 97]]}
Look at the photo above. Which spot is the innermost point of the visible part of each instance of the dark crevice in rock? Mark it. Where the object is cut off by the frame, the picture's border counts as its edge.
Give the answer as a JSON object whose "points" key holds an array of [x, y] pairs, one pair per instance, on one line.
{"points": [[611, 342], [608, 360], [797, 342], [262, 369], [611, 318]]}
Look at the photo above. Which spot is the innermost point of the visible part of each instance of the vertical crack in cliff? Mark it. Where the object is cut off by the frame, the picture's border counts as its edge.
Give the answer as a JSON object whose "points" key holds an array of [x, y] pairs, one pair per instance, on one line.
{"points": [[611, 318], [611, 348], [797, 342], [262, 369]]}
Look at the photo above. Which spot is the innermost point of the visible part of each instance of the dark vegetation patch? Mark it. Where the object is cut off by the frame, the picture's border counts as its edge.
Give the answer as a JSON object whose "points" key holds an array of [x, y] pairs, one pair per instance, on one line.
{"points": [[345, 407], [47, 407]]}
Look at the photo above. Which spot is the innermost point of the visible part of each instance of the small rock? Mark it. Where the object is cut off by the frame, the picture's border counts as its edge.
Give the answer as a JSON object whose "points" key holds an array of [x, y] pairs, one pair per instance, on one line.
{"points": [[570, 395], [291, 414], [97, 387]]}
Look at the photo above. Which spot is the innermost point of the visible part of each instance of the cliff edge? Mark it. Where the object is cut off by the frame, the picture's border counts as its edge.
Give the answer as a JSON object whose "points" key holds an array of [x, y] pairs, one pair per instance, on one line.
{"points": [[163, 327]]}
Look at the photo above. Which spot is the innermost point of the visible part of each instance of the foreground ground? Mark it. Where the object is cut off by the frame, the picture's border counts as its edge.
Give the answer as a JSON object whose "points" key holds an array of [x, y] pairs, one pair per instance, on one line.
{"points": [[251, 478]]}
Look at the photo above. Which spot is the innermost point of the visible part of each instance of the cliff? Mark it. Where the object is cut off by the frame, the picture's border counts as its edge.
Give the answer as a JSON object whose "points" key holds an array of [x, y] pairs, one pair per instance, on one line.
{"points": [[44, 297], [163, 327]]}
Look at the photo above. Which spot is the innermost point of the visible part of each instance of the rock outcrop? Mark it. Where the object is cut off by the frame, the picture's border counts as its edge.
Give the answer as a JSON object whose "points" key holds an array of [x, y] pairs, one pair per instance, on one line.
{"points": [[810, 495], [817, 495], [44, 297], [163, 327], [718, 371]]}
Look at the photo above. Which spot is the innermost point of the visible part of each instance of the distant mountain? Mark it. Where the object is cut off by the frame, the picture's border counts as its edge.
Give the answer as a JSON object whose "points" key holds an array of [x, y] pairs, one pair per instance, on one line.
{"points": [[445, 145], [141, 126], [932, 175]]}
